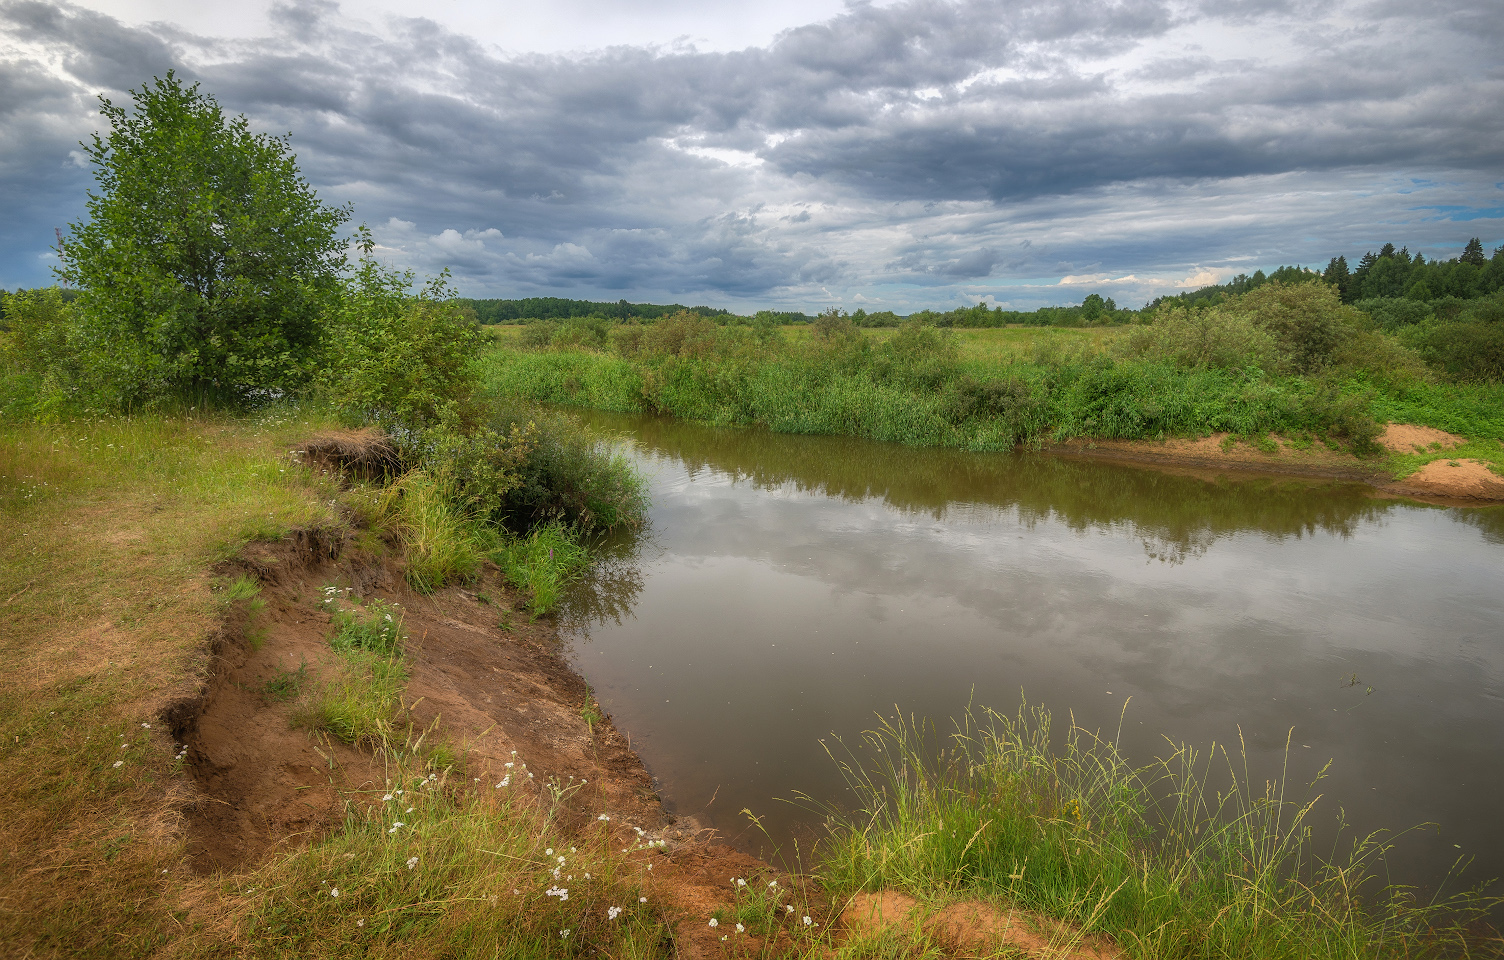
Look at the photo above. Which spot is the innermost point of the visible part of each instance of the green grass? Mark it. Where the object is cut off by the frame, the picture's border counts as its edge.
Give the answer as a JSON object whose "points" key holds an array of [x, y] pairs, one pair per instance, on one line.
{"points": [[1153, 856], [426, 866], [112, 527], [543, 563], [363, 705]]}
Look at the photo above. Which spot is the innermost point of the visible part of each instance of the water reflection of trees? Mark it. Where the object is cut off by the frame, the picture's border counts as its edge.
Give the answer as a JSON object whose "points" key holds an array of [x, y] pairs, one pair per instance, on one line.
{"points": [[611, 585], [1175, 515]]}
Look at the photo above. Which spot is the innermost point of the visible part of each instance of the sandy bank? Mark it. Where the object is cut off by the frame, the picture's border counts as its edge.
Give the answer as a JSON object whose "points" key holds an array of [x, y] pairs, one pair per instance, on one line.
{"points": [[1453, 482]]}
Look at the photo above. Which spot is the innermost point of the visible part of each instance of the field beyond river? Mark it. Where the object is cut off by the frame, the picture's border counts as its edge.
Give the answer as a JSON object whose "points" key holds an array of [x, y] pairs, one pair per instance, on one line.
{"points": [[1285, 378]]}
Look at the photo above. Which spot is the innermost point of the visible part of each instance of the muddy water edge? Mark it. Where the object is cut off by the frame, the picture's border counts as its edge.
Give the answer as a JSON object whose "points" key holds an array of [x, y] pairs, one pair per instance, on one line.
{"points": [[791, 589]]}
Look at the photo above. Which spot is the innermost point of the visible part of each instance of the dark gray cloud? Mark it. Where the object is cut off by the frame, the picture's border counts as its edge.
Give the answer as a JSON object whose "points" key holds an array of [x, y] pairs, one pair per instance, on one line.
{"points": [[922, 152]]}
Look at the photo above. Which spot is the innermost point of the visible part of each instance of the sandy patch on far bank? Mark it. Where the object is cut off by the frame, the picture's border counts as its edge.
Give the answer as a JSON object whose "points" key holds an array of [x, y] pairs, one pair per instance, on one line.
{"points": [[1465, 479], [1408, 438]]}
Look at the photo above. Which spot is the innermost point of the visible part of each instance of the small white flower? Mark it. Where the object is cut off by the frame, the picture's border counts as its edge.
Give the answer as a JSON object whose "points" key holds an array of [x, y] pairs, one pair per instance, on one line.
{"points": [[509, 766], [613, 913], [642, 899], [807, 921], [741, 883], [603, 817], [504, 782], [564, 934], [387, 798], [549, 852], [408, 810], [788, 908], [119, 763], [714, 922], [740, 928], [772, 884], [334, 892], [412, 862], [587, 876], [360, 923]]}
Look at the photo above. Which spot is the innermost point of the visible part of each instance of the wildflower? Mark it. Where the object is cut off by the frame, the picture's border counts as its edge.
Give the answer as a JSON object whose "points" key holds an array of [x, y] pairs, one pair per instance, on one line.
{"points": [[772, 884], [561, 861], [807, 921], [564, 934], [741, 883], [603, 817], [561, 892], [714, 922], [549, 852], [740, 928], [119, 763], [788, 908], [408, 810], [387, 798], [334, 892], [613, 913], [642, 899], [412, 862], [504, 782], [509, 766], [360, 923]]}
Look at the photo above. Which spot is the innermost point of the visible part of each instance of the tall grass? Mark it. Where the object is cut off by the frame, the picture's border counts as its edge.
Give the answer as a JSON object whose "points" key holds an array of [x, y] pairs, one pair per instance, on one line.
{"points": [[543, 563], [1155, 856]]}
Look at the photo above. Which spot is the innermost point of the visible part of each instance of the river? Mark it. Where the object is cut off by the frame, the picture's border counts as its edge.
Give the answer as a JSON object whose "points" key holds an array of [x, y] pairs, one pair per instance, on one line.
{"points": [[791, 589]]}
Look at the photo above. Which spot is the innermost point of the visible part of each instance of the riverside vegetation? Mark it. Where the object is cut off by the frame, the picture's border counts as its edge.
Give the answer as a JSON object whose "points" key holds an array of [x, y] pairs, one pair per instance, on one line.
{"points": [[127, 476], [1287, 359]]}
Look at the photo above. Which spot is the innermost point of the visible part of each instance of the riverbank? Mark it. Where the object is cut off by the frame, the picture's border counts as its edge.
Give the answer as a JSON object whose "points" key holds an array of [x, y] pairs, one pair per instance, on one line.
{"points": [[179, 594], [1446, 475], [1099, 396]]}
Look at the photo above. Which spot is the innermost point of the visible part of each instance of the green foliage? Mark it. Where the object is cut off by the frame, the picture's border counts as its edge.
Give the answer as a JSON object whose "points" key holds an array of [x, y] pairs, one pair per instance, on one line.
{"points": [[565, 475], [1155, 857], [361, 705], [206, 262], [400, 358], [1468, 351], [441, 544], [1391, 314], [543, 563], [1202, 338], [376, 628]]}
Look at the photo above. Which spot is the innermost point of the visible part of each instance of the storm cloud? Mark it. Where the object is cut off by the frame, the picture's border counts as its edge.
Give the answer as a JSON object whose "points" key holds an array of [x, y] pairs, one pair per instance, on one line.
{"points": [[922, 153]]}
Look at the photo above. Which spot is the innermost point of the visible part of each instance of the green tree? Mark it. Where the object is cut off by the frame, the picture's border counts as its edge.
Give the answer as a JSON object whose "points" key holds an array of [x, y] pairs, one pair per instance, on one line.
{"points": [[207, 262], [1473, 253]]}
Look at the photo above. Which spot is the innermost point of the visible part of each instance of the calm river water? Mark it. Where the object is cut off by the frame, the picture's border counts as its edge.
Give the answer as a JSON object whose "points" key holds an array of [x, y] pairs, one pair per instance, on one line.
{"points": [[791, 589]]}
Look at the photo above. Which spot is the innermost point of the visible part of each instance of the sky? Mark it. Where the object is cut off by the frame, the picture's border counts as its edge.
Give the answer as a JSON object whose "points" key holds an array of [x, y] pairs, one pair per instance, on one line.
{"points": [[800, 156]]}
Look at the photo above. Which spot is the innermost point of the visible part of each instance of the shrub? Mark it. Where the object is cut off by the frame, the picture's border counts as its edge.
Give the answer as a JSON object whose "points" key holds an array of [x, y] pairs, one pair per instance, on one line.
{"points": [[1391, 313], [400, 359], [1467, 351], [566, 475], [684, 334], [1211, 337], [1307, 320]]}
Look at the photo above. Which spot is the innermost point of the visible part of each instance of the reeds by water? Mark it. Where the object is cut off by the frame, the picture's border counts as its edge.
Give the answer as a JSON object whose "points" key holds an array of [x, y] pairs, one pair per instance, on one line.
{"points": [[1155, 856]]}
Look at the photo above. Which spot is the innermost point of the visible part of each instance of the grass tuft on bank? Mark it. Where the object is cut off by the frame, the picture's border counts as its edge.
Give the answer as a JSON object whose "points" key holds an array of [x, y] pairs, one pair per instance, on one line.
{"points": [[1159, 857]]}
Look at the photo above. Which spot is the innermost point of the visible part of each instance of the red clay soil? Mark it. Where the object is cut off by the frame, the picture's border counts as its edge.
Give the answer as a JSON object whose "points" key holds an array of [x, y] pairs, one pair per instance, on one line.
{"points": [[1466, 482], [972, 929]]}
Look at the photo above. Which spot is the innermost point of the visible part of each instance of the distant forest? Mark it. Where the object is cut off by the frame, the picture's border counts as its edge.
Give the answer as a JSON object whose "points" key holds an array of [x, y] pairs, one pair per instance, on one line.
{"points": [[1431, 286]]}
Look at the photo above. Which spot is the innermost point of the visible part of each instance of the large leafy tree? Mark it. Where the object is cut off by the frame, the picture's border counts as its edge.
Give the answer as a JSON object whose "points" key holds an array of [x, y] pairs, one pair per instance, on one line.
{"points": [[207, 262]]}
